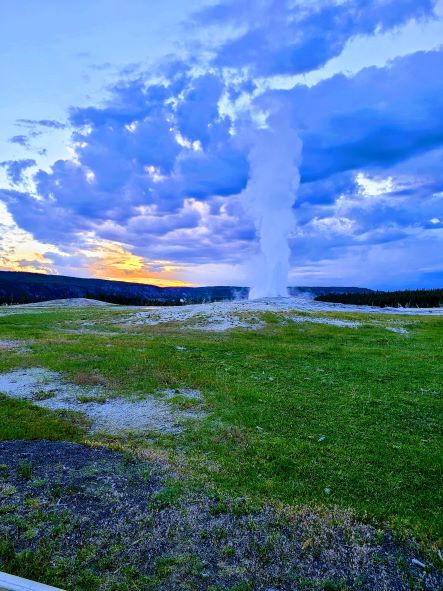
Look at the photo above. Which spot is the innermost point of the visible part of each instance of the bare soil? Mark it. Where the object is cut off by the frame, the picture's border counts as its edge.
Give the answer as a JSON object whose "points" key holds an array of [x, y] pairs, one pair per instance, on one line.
{"points": [[107, 413], [121, 510]]}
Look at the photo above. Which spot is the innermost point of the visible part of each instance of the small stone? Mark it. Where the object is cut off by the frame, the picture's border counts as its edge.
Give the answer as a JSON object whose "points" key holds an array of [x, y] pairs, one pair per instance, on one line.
{"points": [[327, 490]]}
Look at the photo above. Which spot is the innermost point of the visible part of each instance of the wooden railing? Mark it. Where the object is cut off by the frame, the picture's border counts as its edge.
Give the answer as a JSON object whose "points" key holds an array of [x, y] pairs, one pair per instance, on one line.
{"points": [[12, 583]]}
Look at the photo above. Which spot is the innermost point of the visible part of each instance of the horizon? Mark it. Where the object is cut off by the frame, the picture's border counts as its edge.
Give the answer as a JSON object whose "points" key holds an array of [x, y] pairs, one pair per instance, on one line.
{"points": [[129, 282], [127, 133]]}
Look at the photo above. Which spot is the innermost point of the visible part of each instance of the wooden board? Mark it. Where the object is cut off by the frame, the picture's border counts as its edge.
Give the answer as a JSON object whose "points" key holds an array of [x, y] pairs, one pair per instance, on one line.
{"points": [[12, 583]]}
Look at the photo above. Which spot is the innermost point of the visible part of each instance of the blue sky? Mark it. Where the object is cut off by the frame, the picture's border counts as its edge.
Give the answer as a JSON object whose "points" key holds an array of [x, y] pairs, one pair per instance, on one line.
{"points": [[123, 126]]}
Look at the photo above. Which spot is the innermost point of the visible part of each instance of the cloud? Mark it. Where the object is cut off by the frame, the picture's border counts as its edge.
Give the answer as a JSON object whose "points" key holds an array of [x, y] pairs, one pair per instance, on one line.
{"points": [[149, 159], [159, 166], [16, 168], [198, 112], [223, 170], [286, 37], [412, 261], [150, 146], [49, 123], [376, 118], [21, 140], [110, 260], [18, 249]]}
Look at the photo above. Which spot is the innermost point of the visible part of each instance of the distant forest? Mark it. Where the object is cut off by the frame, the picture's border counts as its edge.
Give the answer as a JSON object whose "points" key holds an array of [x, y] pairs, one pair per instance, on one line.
{"points": [[26, 288], [18, 287], [418, 298]]}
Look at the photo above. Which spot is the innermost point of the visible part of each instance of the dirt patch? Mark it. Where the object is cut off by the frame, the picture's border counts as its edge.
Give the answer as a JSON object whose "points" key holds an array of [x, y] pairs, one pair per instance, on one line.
{"points": [[397, 329], [221, 323], [80, 512], [112, 415], [324, 320], [85, 378], [17, 346], [221, 316]]}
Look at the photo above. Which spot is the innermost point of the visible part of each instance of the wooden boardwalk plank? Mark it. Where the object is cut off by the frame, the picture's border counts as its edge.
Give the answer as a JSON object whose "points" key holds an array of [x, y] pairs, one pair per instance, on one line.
{"points": [[13, 583]]}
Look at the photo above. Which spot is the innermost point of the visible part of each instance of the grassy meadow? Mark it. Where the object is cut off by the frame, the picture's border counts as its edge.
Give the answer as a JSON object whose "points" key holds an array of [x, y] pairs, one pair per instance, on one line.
{"points": [[298, 415]]}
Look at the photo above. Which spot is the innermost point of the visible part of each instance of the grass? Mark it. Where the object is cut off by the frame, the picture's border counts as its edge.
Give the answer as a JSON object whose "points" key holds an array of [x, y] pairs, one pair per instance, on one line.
{"points": [[20, 419], [299, 413], [24, 469]]}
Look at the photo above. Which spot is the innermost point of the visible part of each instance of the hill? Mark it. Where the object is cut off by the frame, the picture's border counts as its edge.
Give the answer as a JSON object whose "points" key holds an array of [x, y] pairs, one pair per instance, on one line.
{"points": [[24, 288]]}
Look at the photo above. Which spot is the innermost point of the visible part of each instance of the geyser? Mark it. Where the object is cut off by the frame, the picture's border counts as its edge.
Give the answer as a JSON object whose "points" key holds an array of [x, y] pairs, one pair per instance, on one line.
{"points": [[274, 158]]}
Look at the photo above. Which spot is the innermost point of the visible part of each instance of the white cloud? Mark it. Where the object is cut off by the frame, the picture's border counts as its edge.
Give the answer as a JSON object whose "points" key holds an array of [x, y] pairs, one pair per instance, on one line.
{"points": [[373, 187]]}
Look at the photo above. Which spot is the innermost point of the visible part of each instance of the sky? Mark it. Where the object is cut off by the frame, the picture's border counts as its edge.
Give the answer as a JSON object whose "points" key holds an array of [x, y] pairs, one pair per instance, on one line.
{"points": [[127, 128]]}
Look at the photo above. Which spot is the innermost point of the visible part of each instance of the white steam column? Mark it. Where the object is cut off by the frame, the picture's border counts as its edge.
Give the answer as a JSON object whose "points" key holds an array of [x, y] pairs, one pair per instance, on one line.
{"points": [[274, 158]]}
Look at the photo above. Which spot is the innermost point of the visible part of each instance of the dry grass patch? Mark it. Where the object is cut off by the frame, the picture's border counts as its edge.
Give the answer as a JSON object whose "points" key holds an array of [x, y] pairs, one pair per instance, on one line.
{"points": [[86, 378]]}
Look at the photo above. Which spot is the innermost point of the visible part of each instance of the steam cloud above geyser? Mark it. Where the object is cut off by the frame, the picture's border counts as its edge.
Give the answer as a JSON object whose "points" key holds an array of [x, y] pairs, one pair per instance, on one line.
{"points": [[274, 158]]}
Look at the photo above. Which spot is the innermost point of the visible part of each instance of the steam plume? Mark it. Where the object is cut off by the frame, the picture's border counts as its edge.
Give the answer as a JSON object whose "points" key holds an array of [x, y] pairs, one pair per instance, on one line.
{"points": [[274, 158]]}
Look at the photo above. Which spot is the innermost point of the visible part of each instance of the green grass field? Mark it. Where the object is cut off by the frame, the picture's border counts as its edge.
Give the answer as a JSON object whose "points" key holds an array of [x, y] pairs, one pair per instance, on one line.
{"points": [[298, 414]]}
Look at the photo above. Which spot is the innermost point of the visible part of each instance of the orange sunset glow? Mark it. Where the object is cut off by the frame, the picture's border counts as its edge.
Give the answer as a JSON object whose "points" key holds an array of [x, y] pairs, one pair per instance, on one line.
{"points": [[112, 261]]}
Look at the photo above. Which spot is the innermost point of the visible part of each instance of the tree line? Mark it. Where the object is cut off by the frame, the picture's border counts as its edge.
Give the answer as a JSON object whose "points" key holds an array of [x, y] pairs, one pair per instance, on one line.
{"points": [[408, 298]]}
